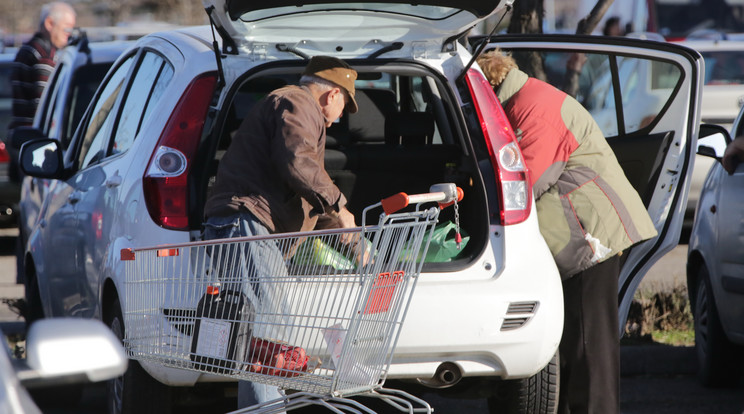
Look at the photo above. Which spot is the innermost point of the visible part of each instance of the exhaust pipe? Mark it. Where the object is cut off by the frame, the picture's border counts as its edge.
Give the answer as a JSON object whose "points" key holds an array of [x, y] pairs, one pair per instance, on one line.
{"points": [[447, 375]]}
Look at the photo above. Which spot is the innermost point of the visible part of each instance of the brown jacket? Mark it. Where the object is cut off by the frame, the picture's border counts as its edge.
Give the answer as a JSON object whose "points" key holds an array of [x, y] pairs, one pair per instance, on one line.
{"points": [[274, 166]]}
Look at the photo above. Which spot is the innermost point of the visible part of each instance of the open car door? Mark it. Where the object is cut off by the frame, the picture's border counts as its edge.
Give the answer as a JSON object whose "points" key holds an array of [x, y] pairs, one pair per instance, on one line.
{"points": [[645, 96]]}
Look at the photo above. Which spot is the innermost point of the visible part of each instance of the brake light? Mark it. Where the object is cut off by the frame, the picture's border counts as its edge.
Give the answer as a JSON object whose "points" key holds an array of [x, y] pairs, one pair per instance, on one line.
{"points": [[4, 156], [165, 183], [512, 175]]}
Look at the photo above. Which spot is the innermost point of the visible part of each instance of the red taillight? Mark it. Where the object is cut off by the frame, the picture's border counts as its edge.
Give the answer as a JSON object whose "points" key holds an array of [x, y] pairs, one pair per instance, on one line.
{"points": [[512, 176], [4, 156], [166, 179]]}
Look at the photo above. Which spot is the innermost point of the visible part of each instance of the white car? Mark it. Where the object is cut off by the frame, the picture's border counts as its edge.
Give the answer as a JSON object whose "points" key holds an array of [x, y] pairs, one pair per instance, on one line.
{"points": [[715, 268], [493, 313]]}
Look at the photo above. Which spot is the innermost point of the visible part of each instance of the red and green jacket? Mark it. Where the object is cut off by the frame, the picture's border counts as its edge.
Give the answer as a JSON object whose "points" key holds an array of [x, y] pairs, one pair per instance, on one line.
{"points": [[587, 209]]}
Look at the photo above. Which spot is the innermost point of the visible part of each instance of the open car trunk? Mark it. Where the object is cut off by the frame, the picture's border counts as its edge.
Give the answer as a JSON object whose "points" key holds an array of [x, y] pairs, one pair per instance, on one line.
{"points": [[407, 135]]}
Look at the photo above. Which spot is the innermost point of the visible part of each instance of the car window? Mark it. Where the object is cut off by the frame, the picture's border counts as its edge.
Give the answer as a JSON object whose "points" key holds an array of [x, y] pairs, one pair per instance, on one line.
{"points": [[153, 75], [95, 134], [46, 107], [83, 86], [6, 96], [644, 86], [724, 67]]}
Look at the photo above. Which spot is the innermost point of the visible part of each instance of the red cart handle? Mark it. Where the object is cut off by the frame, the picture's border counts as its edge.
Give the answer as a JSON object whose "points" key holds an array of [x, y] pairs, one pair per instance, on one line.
{"points": [[445, 194]]}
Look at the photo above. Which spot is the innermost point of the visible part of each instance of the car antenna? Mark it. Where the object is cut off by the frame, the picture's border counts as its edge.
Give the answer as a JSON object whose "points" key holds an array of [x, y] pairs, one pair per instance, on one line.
{"points": [[216, 48], [485, 42]]}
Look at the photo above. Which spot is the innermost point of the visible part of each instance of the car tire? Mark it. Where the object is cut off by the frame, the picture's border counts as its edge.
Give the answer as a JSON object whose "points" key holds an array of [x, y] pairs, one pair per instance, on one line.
{"points": [[719, 360], [19, 253], [535, 395], [136, 391], [34, 310]]}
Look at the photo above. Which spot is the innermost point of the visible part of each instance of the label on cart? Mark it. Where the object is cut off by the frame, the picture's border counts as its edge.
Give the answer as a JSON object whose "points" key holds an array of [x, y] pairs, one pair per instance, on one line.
{"points": [[334, 337], [352, 370], [214, 338]]}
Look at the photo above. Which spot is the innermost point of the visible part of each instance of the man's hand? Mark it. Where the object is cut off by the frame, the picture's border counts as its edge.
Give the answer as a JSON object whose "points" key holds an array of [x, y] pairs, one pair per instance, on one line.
{"points": [[346, 218], [733, 155], [347, 221]]}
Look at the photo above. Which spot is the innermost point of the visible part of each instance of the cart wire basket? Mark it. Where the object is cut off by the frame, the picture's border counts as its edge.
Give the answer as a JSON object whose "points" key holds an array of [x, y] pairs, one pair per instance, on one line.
{"points": [[316, 314]]}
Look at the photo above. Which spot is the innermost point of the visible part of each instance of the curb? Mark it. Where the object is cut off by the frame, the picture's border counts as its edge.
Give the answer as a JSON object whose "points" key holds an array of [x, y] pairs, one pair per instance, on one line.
{"points": [[636, 360]]}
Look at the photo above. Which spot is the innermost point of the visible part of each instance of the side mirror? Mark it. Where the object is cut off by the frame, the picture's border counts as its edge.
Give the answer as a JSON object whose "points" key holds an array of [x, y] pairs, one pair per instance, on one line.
{"points": [[71, 350], [712, 140], [42, 158]]}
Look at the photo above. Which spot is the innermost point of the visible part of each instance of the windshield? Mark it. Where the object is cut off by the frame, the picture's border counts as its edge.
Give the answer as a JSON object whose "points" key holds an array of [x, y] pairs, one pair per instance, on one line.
{"points": [[425, 12]]}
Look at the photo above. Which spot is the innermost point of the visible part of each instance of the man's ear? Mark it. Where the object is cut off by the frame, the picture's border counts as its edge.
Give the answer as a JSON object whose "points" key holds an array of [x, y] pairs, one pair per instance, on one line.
{"points": [[327, 98], [48, 24]]}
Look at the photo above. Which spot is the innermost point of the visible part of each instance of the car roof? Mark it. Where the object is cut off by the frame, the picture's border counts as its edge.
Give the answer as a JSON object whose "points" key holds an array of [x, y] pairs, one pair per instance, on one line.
{"points": [[704, 45]]}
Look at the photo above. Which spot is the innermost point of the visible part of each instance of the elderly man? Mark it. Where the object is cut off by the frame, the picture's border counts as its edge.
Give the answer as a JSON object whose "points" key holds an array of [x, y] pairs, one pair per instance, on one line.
{"points": [[36, 59], [272, 180], [34, 63]]}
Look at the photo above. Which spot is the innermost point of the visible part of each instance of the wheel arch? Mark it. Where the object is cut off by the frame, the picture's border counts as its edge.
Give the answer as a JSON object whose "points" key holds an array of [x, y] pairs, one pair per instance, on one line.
{"points": [[109, 294], [695, 261]]}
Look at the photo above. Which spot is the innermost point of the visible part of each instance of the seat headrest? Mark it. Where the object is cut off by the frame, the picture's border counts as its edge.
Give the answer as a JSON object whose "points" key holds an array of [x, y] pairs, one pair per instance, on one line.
{"points": [[409, 128]]}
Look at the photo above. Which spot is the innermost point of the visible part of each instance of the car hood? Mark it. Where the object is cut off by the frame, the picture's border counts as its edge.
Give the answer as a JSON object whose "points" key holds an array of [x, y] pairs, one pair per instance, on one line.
{"points": [[243, 22]]}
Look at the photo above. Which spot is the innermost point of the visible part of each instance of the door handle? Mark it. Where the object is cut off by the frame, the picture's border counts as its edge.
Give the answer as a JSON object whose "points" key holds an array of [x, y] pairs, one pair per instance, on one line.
{"points": [[114, 181], [73, 198]]}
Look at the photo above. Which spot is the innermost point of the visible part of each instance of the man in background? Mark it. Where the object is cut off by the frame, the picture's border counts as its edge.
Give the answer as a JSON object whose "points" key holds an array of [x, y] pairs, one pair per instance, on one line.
{"points": [[34, 63]]}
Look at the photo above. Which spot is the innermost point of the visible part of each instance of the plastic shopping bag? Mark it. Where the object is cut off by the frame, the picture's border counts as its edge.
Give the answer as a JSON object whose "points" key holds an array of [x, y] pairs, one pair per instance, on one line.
{"points": [[443, 247]]}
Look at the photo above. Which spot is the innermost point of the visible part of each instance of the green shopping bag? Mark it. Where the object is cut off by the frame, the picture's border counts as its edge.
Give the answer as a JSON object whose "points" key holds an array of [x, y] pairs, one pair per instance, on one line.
{"points": [[443, 247]]}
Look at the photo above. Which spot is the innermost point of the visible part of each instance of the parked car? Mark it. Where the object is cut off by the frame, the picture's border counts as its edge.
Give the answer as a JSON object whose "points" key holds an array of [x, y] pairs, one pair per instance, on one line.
{"points": [[57, 351], [80, 69], [493, 314], [723, 97], [9, 190], [715, 268]]}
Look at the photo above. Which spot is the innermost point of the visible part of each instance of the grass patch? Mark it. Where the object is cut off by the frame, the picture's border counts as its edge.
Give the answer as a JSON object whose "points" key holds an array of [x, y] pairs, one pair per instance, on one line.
{"points": [[661, 317]]}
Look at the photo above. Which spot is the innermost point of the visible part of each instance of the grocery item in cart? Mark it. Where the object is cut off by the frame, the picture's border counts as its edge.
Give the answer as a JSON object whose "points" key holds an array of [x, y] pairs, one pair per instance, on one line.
{"points": [[220, 340]]}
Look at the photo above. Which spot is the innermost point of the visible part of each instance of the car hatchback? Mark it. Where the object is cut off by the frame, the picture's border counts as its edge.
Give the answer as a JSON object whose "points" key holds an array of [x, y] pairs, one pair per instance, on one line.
{"points": [[140, 165]]}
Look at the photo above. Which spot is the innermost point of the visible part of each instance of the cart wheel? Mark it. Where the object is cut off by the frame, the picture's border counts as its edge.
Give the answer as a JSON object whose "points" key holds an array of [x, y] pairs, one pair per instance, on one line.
{"points": [[135, 391]]}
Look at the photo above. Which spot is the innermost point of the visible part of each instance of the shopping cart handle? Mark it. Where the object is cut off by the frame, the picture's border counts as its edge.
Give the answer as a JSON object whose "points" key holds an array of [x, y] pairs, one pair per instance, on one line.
{"points": [[445, 194]]}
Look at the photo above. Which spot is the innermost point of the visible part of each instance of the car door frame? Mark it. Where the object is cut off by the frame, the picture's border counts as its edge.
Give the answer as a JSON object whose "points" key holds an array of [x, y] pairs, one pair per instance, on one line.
{"points": [[667, 205]]}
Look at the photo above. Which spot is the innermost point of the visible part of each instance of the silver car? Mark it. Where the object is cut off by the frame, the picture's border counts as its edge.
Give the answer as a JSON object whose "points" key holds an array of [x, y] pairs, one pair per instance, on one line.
{"points": [[715, 268]]}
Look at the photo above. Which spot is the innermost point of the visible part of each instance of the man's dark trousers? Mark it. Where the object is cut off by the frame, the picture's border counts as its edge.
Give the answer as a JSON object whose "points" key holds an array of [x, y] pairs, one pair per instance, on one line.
{"points": [[590, 346]]}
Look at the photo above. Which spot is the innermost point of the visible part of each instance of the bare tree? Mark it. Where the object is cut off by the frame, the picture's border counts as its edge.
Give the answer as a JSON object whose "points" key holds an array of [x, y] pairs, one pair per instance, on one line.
{"points": [[590, 22], [527, 17]]}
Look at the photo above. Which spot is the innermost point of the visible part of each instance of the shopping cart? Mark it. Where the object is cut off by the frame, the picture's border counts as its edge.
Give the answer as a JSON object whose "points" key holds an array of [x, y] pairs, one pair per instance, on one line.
{"points": [[318, 315]]}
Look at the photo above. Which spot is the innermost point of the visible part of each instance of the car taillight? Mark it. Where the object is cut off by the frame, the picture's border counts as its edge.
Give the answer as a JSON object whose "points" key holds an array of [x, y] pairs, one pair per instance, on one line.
{"points": [[166, 178], [4, 156], [512, 175]]}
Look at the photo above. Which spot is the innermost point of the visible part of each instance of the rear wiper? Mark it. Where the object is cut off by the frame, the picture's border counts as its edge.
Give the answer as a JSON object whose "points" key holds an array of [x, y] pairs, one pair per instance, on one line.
{"points": [[485, 42]]}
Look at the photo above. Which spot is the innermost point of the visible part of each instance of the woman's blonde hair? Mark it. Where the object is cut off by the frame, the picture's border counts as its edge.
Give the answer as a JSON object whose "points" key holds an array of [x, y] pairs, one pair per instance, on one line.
{"points": [[496, 65]]}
